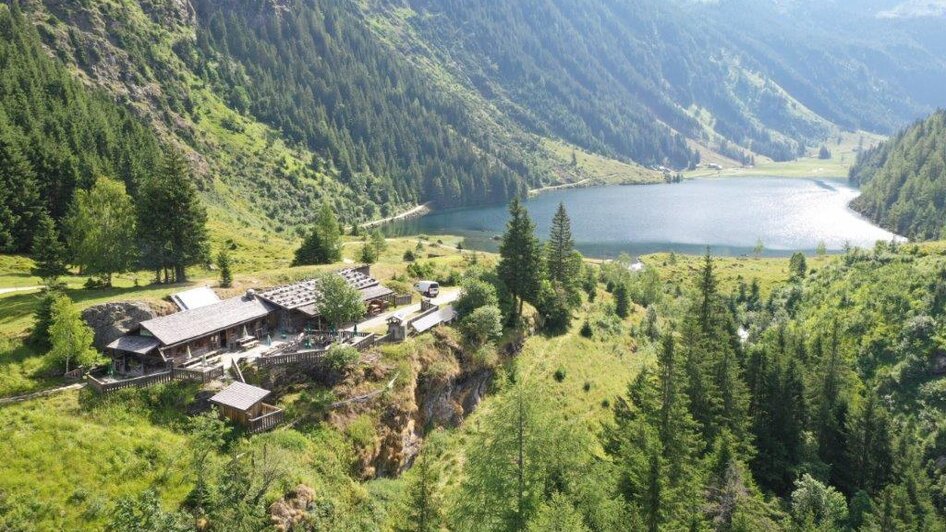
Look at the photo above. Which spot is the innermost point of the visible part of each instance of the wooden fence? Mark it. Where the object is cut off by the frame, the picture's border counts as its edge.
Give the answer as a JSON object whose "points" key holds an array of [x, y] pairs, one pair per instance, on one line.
{"points": [[136, 382], [272, 416], [174, 374], [298, 357], [197, 375]]}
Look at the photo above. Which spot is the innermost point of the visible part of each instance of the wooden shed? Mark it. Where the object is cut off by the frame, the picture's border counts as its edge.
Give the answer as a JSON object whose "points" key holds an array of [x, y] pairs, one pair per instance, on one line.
{"points": [[243, 404]]}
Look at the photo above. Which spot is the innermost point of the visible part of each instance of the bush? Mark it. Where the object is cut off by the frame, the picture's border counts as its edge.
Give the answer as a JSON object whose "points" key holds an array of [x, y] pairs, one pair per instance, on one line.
{"points": [[559, 375], [342, 357], [485, 356], [369, 254], [475, 293], [362, 431], [409, 256], [586, 330], [553, 307], [586, 387], [483, 324]]}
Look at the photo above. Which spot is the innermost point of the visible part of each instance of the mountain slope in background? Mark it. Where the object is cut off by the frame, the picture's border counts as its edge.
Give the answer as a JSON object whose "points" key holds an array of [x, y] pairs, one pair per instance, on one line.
{"points": [[376, 105], [904, 181]]}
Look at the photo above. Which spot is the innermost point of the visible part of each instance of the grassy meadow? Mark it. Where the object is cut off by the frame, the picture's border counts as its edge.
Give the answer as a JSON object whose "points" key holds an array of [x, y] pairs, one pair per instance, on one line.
{"points": [[74, 454], [843, 147]]}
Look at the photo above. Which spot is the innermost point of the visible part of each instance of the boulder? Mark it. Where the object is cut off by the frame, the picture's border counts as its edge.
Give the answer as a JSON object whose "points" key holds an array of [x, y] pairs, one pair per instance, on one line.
{"points": [[111, 320]]}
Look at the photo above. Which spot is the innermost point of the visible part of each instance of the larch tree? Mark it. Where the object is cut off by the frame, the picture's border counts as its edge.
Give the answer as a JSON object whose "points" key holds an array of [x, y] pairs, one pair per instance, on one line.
{"points": [[224, 264], [101, 229], [520, 263], [70, 337]]}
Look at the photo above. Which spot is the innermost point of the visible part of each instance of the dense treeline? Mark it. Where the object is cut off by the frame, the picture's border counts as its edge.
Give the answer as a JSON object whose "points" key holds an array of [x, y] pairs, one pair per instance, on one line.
{"points": [[315, 71], [817, 408], [56, 135], [904, 181]]}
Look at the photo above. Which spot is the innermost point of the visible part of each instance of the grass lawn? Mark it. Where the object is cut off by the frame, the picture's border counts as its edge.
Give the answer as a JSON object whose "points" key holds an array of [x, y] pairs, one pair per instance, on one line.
{"points": [[68, 463], [843, 155], [770, 271]]}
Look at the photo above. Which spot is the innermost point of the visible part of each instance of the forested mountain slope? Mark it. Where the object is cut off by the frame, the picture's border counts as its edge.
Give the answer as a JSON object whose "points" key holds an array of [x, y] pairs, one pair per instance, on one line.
{"points": [[373, 106], [904, 181]]}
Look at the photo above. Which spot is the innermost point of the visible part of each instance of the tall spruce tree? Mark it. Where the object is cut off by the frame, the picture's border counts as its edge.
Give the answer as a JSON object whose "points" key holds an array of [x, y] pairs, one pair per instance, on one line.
{"points": [[172, 221], [323, 244], [520, 263], [719, 397], [560, 248], [20, 205], [49, 253]]}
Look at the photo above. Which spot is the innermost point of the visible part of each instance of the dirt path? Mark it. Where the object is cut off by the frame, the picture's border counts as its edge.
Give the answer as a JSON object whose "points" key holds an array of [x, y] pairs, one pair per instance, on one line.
{"points": [[549, 188], [19, 289], [41, 393], [419, 210]]}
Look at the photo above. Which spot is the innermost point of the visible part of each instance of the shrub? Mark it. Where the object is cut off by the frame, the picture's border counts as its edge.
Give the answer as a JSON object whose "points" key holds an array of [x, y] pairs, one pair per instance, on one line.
{"points": [[342, 357], [586, 330], [409, 256], [362, 432], [485, 356], [559, 375], [587, 386], [475, 293], [483, 324]]}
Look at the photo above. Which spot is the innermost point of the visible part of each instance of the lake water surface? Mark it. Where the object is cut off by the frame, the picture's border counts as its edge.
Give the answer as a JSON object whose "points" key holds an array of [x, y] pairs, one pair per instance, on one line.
{"points": [[728, 215]]}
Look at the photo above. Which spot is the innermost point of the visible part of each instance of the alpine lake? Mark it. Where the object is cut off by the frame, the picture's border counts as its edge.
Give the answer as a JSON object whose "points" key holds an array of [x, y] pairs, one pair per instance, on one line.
{"points": [[728, 215]]}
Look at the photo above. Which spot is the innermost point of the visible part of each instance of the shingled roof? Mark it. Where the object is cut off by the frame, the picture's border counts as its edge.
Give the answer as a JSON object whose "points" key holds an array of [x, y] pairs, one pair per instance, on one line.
{"points": [[202, 321], [141, 345], [304, 295], [240, 396]]}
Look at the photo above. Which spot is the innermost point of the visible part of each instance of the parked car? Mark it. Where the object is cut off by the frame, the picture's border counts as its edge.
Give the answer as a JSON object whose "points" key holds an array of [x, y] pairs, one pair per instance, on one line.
{"points": [[428, 288]]}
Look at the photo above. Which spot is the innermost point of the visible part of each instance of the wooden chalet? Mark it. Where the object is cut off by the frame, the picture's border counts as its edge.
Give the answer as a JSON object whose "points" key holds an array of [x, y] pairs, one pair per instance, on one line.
{"points": [[297, 303], [235, 323], [243, 404], [179, 338]]}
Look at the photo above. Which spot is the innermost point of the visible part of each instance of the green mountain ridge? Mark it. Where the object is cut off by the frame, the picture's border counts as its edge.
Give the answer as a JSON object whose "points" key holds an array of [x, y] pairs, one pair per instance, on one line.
{"points": [[378, 105], [904, 181]]}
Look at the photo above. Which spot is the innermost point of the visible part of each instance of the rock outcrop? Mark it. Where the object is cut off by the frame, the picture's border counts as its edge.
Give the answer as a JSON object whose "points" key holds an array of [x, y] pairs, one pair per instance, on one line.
{"points": [[290, 511], [111, 320]]}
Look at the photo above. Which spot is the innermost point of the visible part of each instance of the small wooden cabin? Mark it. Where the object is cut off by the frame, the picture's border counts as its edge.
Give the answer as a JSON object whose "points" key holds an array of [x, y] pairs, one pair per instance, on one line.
{"points": [[243, 404]]}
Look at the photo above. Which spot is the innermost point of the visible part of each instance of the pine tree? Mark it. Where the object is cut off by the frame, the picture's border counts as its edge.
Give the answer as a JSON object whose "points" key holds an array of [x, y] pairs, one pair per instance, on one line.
{"points": [[622, 301], [520, 264], [20, 205], [560, 248], [49, 253], [323, 244], [223, 264], [185, 217]]}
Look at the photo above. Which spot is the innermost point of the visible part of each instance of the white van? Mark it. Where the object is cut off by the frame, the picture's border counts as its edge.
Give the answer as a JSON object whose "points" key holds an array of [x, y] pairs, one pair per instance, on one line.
{"points": [[428, 288]]}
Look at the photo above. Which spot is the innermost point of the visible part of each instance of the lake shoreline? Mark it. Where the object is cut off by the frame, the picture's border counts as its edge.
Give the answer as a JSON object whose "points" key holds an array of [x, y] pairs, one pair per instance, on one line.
{"points": [[727, 214]]}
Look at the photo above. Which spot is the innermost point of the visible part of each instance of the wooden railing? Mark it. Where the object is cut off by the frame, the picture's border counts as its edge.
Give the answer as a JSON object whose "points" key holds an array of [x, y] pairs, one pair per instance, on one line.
{"points": [[197, 375], [136, 382], [364, 342], [174, 374], [297, 357], [271, 417]]}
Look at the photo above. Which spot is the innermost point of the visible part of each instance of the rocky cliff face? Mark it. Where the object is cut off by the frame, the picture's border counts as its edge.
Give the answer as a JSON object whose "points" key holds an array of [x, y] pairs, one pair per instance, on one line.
{"points": [[111, 320]]}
